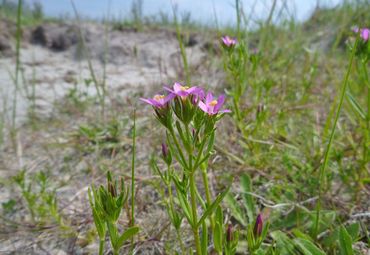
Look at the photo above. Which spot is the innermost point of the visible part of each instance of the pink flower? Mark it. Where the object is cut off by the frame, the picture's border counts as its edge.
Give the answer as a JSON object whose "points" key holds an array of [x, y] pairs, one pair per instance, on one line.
{"points": [[184, 91], [228, 41], [212, 106], [158, 101], [364, 33]]}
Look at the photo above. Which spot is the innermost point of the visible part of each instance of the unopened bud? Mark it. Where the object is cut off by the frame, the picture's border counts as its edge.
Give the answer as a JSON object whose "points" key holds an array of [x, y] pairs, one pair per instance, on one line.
{"points": [[229, 233], [112, 189], [257, 231], [166, 154], [164, 150]]}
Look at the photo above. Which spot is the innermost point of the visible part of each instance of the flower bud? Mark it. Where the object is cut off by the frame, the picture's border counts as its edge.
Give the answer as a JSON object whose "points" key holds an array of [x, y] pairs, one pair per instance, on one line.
{"points": [[258, 226], [166, 154], [112, 189], [229, 233]]}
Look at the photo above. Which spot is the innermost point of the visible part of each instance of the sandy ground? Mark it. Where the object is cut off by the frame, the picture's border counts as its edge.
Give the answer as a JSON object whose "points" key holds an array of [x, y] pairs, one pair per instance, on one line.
{"points": [[134, 59]]}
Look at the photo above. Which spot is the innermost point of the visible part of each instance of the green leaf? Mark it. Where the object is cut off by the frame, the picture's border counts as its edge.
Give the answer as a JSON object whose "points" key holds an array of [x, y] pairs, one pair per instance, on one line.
{"points": [[307, 247], [217, 237], [284, 244], [355, 105], [246, 185], [302, 235], [352, 229], [212, 207], [345, 242], [113, 234], [235, 209], [127, 235], [184, 203]]}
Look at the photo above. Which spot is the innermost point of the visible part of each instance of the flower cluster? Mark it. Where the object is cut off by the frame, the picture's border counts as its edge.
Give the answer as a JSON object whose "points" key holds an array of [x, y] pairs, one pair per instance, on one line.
{"points": [[363, 46], [185, 102], [364, 33], [228, 42]]}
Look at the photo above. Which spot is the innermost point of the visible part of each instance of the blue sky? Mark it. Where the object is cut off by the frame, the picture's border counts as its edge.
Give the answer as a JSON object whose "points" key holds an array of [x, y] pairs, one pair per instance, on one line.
{"points": [[201, 10]]}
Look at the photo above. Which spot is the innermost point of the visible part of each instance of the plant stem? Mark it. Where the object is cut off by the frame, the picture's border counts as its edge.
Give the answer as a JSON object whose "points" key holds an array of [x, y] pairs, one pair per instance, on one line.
{"points": [[180, 241], [367, 130], [208, 195], [101, 247], [182, 48], [331, 138], [237, 9], [172, 208], [172, 132], [195, 214], [17, 66], [133, 179]]}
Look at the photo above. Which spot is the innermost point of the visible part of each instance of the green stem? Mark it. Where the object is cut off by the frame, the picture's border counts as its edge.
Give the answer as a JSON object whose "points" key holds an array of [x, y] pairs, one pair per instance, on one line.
{"points": [[366, 138], [331, 138], [179, 237], [133, 179], [101, 247], [208, 194], [237, 9], [195, 214], [236, 108], [172, 208], [172, 132], [17, 65], [182, 48]]}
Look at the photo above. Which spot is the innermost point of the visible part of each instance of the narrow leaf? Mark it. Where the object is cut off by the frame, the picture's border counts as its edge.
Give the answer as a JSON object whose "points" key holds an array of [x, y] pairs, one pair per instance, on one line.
{"points": [[127, 235], [345, 242], [213, 206]]}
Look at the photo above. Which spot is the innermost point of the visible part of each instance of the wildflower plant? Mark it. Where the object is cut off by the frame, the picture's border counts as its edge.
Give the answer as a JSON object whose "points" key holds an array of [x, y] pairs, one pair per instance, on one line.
{"points": [[362, 53], [189, 118], [257, 234], [240, 65], [106, 204]]}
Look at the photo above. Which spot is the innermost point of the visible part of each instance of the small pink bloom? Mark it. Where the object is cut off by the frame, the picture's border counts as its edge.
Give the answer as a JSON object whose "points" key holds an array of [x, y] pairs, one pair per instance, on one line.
{"points": [[364, 33], [158, 101], [211, 105], [184, 91], [228, 41]]}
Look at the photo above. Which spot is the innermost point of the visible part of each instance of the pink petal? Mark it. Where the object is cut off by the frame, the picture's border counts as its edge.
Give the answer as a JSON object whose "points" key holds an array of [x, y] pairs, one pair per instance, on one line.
{"points": [[209, 98], [203, 107], [169, 97], [220, 103], [151, 102], [168, 89], [177, 87], [365, 34]]}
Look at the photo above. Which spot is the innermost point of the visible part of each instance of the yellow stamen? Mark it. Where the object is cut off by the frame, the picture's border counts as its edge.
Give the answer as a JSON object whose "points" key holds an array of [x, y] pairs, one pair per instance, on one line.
{"points": [[184, 88], [158, 97], [213, 103]]}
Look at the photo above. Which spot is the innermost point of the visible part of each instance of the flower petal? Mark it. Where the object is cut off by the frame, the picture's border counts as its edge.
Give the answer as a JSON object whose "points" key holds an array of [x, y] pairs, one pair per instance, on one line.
{"points": [[209, 98], [365, 34], [177, 87], [169, 97], [220, 103], [203, 107], [151, 102]]}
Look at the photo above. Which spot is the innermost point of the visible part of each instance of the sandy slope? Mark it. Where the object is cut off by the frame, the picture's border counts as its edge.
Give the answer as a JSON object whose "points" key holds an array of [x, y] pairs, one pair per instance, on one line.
{"points": [[55, 62]]}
